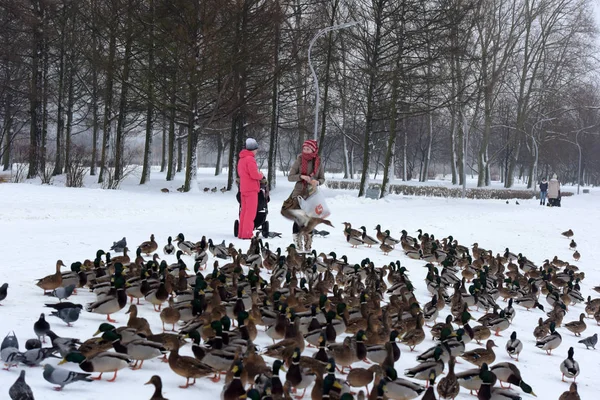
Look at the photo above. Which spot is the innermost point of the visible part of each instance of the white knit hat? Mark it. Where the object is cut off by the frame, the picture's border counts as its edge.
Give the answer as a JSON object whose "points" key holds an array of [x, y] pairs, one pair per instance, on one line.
{"points": [[251, 144]]}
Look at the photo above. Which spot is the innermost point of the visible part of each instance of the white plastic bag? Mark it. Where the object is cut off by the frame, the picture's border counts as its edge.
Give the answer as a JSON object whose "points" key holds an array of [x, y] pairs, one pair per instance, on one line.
{"points": [[315, 205]]}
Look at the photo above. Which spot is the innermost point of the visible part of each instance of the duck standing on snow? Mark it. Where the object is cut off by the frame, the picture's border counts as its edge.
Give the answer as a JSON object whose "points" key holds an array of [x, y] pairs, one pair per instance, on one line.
{"points": [[514, 346], [101, 362], [550, 342], [111, 303], [51, 282], [569, 367], [169, 249], [149, 246]]}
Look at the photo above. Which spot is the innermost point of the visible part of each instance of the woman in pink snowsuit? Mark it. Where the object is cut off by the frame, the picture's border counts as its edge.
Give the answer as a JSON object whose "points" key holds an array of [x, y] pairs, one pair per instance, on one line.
{"points": [[250, 178]]}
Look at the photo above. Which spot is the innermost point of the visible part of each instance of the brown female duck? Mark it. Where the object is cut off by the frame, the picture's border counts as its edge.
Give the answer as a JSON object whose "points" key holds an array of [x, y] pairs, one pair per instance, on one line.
{"points": [[51, 282]]}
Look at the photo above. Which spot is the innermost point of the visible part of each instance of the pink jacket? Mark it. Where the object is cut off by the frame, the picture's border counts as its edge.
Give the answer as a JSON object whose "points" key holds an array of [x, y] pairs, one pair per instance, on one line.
{"points": [[248, 172]]}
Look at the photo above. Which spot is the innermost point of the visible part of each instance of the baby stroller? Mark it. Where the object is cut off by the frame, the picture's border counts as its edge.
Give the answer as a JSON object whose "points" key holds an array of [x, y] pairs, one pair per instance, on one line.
{"points": [[260, 221]]}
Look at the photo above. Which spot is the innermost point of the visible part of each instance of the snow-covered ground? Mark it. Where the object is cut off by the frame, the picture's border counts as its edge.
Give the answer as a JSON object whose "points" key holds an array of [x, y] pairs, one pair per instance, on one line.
{"points": [[40, 224]]}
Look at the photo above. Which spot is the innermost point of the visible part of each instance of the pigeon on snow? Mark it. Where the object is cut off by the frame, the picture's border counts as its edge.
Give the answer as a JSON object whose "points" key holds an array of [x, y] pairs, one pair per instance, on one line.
{"points": [[118, 247], [63, 377], [20, 390], [590, 341]]}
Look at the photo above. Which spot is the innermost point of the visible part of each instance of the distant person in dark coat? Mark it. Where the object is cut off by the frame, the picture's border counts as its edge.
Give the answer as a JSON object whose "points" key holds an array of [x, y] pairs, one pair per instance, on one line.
{"points": [[553, 191], [543, 191]]}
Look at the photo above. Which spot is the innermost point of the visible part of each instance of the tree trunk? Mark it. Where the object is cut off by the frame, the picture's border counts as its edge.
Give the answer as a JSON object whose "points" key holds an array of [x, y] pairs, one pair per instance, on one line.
{"points": [[150, 105], [108, 104], [171, 159], [191, 165], [94, 99], [60, 121], [163, 156], [123, 102], [46, 89], [70, 104], [36, 91], [218, 166], [425, 176], [180, 148], [274, 129], [7, 128], [371, 99], [388, 172], [328, 62]]}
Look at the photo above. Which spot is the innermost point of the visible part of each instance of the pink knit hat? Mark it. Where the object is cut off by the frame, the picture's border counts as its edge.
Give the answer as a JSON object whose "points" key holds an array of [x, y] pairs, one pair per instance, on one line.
{"points": [[312, 144]]}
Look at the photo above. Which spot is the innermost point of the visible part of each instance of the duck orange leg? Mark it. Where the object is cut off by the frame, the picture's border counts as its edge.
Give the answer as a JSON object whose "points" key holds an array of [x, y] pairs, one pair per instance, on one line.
{"points": [[109, 319], [114, 377], [187, 384], [97, 378], [217, 377], [303, 392], [138, 367]]}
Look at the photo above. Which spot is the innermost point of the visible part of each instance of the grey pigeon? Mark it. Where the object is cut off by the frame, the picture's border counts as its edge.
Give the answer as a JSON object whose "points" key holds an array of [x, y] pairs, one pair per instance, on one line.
{"points": [[3, 291], [34, 357], [20, 390], [11, 357], [62, 377], [119, 246], [66, 304], [590, 341], [41, 328], [64, 345], [10, 341], [62, 292], [31, 344], [68, 315]]}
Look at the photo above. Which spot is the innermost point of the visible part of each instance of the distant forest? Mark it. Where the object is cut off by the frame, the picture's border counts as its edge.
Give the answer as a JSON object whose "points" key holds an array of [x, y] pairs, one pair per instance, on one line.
{"points": [[408, 89]]}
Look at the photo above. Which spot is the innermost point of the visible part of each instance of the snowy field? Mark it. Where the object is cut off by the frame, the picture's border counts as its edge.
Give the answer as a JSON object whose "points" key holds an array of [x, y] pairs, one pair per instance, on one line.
{"points": [[41, 224]]}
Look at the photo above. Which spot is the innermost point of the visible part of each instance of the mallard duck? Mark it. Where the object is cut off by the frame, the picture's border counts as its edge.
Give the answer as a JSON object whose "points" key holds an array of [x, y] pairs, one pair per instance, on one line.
{"points": [[169, 249], [577, 327], [416, 336], [158, 296], [346, 353], [378, 353], [569, 367], [399, 388], [514, 346], [298, 377], [354, 241], [361, 377], [570, 394], [448, 386], [157, 382], [170, 315], [111, 303], [499, 324], [481, 333], [188, 367], [368, 240], [149, 246], [568, 234], [101, 362], [550, 342], [480, 355], [138, 350], [422, 370], [140, 325], [509, 373], [51, 282], [235, 389], [185, 245], [542, 330]]}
